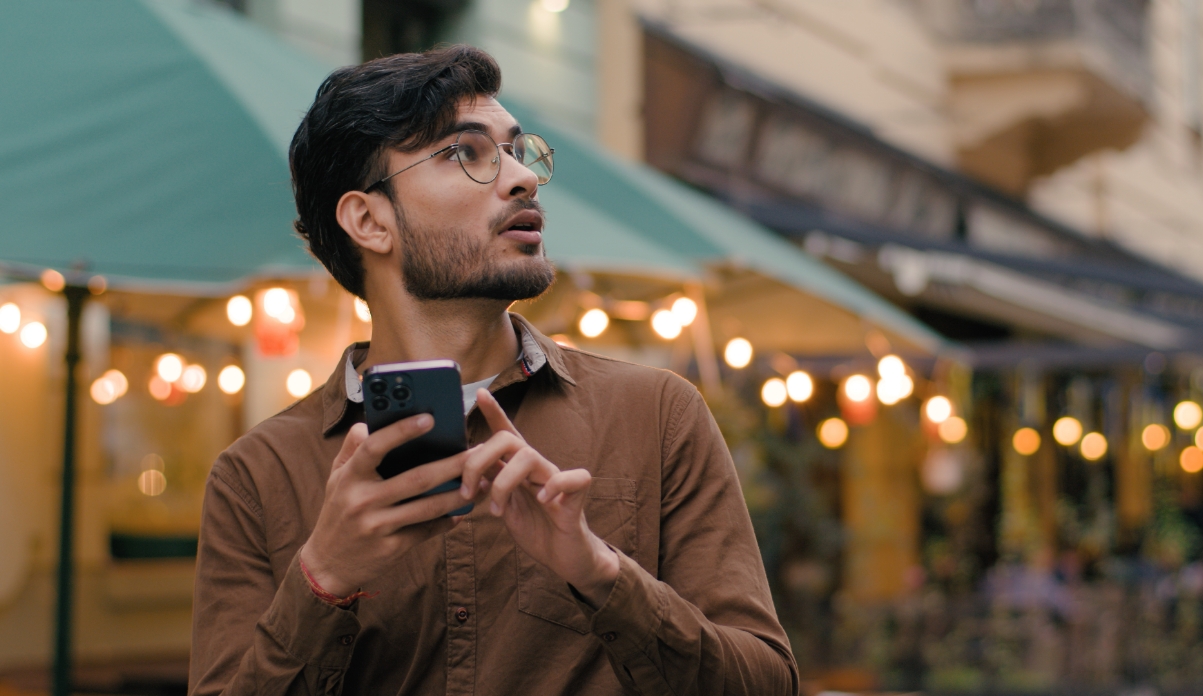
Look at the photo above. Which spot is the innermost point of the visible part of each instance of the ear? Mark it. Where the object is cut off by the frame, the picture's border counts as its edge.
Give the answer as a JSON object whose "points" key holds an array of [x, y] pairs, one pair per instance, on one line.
{"points": [[368, 219]]}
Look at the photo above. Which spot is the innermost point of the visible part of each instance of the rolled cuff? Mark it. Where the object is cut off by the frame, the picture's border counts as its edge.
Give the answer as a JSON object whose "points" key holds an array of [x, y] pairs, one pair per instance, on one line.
{"points": [[310, 630], [631, 616]]}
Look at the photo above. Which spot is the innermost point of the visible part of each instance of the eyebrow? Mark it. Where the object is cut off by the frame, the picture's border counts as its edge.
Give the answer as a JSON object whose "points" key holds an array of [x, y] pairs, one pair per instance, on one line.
{"points": [[462, 126]]}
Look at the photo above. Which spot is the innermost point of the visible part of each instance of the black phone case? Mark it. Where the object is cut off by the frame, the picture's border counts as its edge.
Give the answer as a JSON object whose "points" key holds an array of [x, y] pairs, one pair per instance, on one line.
{"points": [[400, 390]]}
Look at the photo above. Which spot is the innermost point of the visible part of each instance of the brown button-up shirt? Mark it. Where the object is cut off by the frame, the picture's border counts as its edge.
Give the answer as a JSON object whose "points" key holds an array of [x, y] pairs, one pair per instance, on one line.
{"points": [[469, 612]]}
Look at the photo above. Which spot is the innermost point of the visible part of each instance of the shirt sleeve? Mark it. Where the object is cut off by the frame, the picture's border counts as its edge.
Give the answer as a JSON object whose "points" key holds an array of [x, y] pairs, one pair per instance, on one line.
{"points": [[707, 625], [250, 636]]}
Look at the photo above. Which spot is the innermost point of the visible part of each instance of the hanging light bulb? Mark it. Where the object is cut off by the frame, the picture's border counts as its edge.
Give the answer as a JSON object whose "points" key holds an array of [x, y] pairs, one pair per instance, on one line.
{"points": [[10, 318], [362, 311], [833, 433], [666, 324], [953, 430], [858, 388], [52, 280], [120, 383], [1188, 415], [1155, 436], [938, 409], [891, 366], [33, 334], [231, 379], [1026, 441], [239, 310], [1094, 446], [299, 383], [103, 391], [738, 353], [774, 392], [1191, 460], [685, 310], [800, 386], [193, 379], [594, 323], [1067, 431], [169, 367]]}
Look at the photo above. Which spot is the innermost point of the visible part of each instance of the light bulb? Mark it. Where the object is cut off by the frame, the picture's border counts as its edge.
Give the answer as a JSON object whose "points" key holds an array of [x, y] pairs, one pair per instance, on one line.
{"points": [[938, 409], [33, 334], [103, 391], [1155, 436], [239, 310], [833, 433], [800, 386], [159, 388], [120, 383], [231, 379], [152, 482], [858, 388], [1191, 460], [277, 303], [774, 392], [1067, 431], [1094, 446], [1026, 441], [666, 324], [891, 366], [10, 318], [1188, 415], [299, 383], [685, 310], [169, 367], [594, 322], [953, 430], [53, 280], [738, 353], [193, 379]]}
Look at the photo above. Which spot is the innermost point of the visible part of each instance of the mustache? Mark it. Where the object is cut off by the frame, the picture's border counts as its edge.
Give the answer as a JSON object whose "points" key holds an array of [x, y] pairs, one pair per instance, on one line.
{"points": [[513, 209]]}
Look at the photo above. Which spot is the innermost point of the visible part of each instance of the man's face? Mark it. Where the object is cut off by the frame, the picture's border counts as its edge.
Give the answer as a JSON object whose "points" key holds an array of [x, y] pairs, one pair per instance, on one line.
{"points": [[463, 239]]}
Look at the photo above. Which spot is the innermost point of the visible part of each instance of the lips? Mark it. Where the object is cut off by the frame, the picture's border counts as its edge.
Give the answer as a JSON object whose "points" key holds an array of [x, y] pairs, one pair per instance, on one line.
{"points": [[525, 228]]}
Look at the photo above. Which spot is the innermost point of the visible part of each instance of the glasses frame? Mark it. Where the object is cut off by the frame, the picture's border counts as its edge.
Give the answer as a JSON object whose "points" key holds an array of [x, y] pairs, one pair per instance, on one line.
{"points": [[498, 146]]}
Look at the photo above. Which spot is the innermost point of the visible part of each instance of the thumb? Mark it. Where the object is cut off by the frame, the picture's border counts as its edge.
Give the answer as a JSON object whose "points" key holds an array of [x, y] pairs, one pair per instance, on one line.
{"points": [[355, 437]]}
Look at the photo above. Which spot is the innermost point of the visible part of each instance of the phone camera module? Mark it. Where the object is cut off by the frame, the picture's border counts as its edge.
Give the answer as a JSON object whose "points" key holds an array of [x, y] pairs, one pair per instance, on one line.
{"points": [[380, 403], [378, 386], [402, 393]]}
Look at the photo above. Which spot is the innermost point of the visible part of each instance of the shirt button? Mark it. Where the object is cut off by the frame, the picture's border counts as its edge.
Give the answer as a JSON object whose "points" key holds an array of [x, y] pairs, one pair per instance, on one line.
{"points": [[610, 636], [461, 614], [346, 640]]}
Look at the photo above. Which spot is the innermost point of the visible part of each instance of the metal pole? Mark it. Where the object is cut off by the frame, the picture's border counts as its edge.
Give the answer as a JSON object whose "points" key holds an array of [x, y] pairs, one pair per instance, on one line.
{"points": [[62, 627]]}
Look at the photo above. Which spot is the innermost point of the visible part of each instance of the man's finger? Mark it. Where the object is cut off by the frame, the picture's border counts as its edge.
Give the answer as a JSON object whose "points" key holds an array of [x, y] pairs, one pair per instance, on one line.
{"points": [[420, 479], [494, 414], [355, 437], [378, 444], [499, 447], [416, 511], [527, 466], [571, 482]]}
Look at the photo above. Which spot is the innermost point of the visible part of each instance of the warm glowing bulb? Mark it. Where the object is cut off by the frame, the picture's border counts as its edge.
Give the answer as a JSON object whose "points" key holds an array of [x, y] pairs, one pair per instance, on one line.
{"points": [[277, 303], [159, 388], [1067, 431], [938, 409], [1188, 415], [1026, 441], [833, 433], [10, 318], [1191, 460], [953, 430], [152, 482], [685, 310], [103, 391], [858, 388], [33, 334], [891, 366], [299, 383], [362, 311], [193, 379], [169, 367], [774, 392], [239, 310], [891, 390], [800, 386], [231, 379], [53, 280], [554, 5], [120, 383], [1094, 446], [738, 353], [665, 324], [1155, 436], [594, 322]]}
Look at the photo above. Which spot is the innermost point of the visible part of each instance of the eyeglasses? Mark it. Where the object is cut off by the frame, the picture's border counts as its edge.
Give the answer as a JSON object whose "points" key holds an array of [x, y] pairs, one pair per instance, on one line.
{"points": [[480, 156]]}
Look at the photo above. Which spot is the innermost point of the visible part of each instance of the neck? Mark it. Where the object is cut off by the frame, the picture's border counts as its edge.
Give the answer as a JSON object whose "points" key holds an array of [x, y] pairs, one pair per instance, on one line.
{"points": [[475, 333]]}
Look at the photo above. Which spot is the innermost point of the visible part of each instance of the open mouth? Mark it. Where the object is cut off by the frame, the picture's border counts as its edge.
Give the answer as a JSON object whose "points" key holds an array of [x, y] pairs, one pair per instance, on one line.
{"points": [[525, 228]]}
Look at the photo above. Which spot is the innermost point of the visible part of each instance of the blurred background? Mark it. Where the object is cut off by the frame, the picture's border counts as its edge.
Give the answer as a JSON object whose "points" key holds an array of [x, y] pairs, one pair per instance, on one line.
{"points": [[937, 266]]}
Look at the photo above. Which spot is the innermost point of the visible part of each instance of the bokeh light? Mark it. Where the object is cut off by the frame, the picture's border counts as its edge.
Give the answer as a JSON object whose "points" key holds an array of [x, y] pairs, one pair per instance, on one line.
{"points": [[152, 482], [362, 311], [738, 353], [858, 388], [800, 386], [593, 323], [169, 367], [665, 324], [833, 433], [1067, 431], [103, 391], [299, 383], [193, 379], [774, 392], [1094, 446], [685, 310], [239, 310], [953, 430], [1188, 415], [891, 366], [33, 334], [120, 383], [938, 409], [53, 280], [554, 5], [891, 390], [231, 379], [159, 388], [1155, 436], [1026, 441], [10, 318], [1191, 460]]}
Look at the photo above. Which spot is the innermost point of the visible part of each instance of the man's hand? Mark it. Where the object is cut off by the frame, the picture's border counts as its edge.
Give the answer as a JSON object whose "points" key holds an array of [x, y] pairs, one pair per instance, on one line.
{"points": [[543, 507], [361, 530]]}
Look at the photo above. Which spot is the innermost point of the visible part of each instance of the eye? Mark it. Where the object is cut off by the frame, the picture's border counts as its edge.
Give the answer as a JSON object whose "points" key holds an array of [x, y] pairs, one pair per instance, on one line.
{"points": [[464, 153]]}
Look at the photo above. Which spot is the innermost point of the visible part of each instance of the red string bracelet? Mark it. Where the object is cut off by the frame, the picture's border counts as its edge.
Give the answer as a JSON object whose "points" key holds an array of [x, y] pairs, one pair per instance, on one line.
{"points": [[331, 599]]}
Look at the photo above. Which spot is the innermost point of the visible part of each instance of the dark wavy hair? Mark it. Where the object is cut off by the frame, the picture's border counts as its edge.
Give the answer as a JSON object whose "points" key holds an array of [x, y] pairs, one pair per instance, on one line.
{"points": [[406, 101]]}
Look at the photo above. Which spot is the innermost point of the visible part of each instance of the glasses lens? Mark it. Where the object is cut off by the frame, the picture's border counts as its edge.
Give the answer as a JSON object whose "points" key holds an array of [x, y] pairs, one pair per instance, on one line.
{"points": [[532, 151], [478, 155]]}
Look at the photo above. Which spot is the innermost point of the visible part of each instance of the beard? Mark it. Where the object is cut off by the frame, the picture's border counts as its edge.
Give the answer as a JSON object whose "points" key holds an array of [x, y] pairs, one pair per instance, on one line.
{"points": [[450, 263]]}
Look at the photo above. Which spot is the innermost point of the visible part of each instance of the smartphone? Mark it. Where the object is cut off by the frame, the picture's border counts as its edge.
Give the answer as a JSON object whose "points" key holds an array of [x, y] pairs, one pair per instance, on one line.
{"points": [[400, 390]]}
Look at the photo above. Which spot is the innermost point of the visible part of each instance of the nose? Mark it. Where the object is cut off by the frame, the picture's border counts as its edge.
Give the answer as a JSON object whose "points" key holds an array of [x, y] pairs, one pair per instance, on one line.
{"points": [[515, 179]]}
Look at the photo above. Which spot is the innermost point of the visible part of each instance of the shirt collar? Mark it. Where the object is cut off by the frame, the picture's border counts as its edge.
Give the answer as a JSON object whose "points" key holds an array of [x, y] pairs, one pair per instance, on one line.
{"points": [[344, 387]]}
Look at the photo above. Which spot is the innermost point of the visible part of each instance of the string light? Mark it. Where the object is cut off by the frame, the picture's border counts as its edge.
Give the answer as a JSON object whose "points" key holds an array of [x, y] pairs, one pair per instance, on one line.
{"points": [[833, 433], [666, 324], [938, 409], [231, 379], [891, 366], [891, 390], [193, 379], [858, 388], [1026, 441], [10, 318], [685, 310], [362, 311], [239, 310], [594, 323], [774, 392], [953, 430], [1094, 446], [299, 383], [1191, 460], [33, 334], [169, 367], [1155, 437], [1067, 431], [1188, 415], [800, 386], [738, 353]]}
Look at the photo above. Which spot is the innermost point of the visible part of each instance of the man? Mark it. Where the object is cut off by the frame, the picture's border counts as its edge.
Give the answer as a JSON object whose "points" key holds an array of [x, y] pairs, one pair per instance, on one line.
{"points": [[609, 550]]}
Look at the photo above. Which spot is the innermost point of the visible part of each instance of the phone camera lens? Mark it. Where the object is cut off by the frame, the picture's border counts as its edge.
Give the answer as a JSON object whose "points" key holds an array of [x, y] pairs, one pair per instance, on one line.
{"points": [[377, 386], [380, 403], [402, 393]]}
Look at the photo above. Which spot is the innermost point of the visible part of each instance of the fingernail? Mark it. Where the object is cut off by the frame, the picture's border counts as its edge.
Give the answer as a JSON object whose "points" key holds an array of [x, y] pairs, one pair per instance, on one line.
{"points": [[463, 491], [494, 508], [542, 496], [425, 420], [484, 483]]}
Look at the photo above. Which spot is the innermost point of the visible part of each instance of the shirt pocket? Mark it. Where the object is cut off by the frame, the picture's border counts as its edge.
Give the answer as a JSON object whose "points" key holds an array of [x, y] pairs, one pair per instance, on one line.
{"points": [[610, 511]]}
